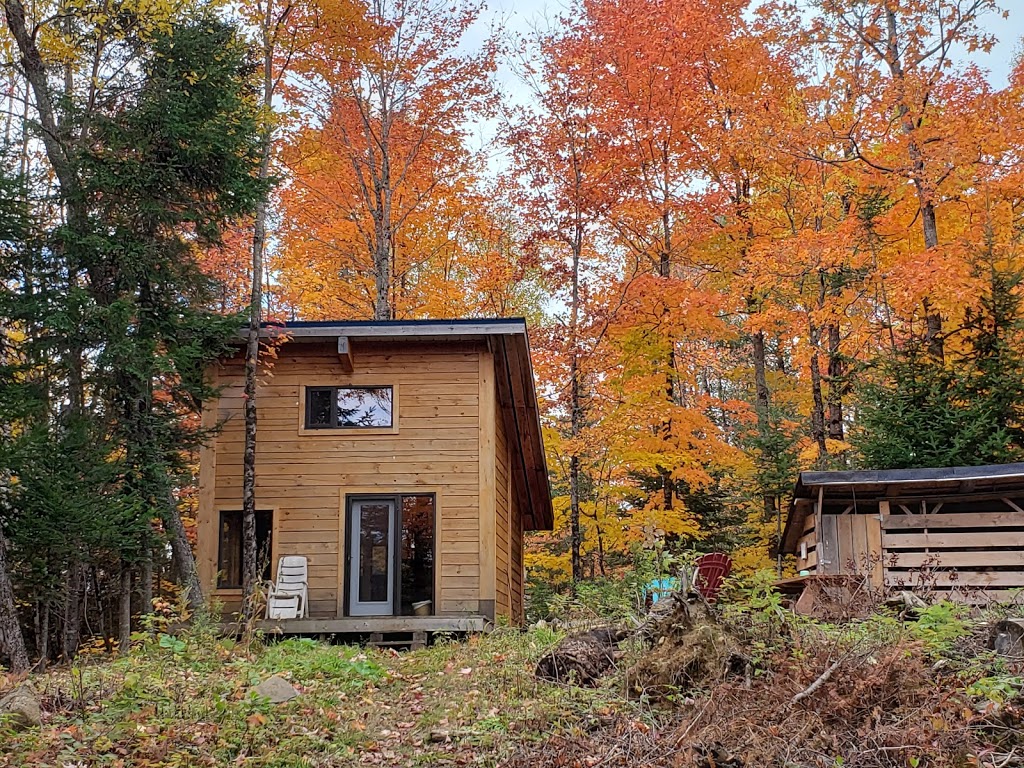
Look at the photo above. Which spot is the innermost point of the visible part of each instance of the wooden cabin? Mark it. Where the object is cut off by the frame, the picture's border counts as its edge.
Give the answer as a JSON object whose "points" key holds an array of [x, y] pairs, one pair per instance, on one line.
{"points": [[958, 531], [403, 459]]}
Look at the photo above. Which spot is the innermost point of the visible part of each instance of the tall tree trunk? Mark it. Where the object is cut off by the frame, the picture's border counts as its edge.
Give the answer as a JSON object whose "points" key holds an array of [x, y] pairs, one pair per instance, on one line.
{"points": [[43, 641], [250, 564], [575, 428], [575, 412], [818, 400], [383, 257], [762, 407], [10, 629], [575, 524], [929, 224], [665, 272], [124, 610], [183, 557], [818, 406], [836, 384], [250, 572], [146, 583], [72, 610]]}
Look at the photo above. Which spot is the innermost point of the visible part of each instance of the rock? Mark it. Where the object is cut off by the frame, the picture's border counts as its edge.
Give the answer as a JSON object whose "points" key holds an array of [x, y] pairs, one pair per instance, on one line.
{"points": [[277, 689], [541, 624], [22, 708], [1008, 638]]}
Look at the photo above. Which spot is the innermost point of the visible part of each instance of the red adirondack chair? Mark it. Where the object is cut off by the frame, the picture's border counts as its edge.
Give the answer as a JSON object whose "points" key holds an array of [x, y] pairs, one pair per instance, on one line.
{"points": [[711, 572]]}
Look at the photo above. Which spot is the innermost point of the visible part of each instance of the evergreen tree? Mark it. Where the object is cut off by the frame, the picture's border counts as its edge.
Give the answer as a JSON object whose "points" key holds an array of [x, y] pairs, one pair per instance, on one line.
{"points": [[109, 312], [919, 411]]}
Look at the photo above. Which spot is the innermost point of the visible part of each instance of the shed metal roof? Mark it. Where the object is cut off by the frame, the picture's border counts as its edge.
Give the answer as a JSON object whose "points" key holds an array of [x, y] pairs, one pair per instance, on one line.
{"points": [[906, 476]]}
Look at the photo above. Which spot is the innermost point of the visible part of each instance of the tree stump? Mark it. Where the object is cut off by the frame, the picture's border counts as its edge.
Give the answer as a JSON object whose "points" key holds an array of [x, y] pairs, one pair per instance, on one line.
{"points": [[582, 659]]}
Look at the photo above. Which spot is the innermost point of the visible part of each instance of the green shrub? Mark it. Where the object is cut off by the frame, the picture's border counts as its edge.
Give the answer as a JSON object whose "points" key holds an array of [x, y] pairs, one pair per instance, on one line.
{"points": [[940, 625]]}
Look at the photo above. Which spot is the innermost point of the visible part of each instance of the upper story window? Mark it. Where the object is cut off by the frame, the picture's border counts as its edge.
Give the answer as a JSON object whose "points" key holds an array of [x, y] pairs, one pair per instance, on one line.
{"points": [[349, 407]]}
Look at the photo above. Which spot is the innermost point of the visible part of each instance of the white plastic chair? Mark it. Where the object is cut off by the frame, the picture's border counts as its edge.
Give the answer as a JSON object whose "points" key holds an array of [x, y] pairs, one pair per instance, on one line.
{"points": [[288, 597], [283, 606]]}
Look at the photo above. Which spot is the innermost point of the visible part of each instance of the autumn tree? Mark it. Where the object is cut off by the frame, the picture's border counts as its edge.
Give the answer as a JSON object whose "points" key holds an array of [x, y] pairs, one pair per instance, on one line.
{"points": [[556, 148], [894, 59], [381, 169]]}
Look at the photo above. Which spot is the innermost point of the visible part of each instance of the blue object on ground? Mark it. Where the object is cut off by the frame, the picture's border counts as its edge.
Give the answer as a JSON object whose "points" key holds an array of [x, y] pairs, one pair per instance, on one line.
{"points": [[660, 587]]}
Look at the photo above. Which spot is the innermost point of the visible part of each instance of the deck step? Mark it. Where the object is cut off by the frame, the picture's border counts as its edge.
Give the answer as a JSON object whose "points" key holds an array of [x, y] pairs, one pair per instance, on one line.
{"points": [[376, 624], [412, 640]]}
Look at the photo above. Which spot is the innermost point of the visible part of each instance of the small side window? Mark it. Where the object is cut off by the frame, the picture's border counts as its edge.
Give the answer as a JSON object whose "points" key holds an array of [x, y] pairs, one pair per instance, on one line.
{"points": [[229, 554], [318, 407]]}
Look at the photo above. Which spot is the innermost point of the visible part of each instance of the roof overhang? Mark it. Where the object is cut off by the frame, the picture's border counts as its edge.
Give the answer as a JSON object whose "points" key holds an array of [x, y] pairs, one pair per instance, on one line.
{"points": [[508, 340], [875, 484]]}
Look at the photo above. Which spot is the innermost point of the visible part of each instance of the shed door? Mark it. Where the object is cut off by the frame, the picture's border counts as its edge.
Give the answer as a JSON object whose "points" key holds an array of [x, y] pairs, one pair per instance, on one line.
{"points": [[371, 575], [851, 544]]}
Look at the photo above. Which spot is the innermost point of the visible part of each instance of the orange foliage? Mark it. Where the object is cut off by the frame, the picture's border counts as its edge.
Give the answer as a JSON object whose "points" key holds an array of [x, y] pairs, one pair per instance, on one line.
{"points": [[685, 180]]}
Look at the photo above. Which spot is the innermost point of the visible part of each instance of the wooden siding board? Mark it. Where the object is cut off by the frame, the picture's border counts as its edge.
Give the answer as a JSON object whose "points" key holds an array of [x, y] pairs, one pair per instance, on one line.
{"points": [[958, 540], [956, 559], [874, 549], [955, 520], [304, 477], [828, 555], [503, 514]]}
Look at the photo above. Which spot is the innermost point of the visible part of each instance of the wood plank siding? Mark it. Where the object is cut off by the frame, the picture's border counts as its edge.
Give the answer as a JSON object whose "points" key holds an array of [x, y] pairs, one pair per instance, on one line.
{"points": [[448, 439], [955, 545], [509, 533]]}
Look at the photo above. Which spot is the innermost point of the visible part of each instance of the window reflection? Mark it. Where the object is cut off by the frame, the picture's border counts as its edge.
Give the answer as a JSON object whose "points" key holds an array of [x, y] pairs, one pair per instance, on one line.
{"points": [[349, 407]]}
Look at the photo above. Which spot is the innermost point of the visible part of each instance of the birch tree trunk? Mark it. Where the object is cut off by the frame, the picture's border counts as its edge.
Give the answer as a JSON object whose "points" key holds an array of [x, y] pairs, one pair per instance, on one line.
{"points": [[250, 555]]}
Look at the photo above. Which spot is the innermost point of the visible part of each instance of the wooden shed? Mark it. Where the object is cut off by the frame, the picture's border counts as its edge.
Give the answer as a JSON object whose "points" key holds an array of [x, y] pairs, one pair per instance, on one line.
{"points": [[957, 530], [402, 459]]}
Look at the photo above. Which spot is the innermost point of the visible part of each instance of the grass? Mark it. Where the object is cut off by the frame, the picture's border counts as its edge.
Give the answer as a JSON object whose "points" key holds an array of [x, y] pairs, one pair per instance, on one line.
{"points": [[189, 702]]}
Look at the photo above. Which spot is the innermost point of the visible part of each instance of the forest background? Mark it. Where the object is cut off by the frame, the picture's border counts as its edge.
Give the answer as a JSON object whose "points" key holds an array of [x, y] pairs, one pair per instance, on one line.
{"points": [[749, 240]]}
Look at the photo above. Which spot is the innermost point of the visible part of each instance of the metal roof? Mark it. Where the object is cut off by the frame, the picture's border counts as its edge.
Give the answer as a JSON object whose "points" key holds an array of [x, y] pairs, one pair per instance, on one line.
{"points": [[419, 329], [905, 476]]}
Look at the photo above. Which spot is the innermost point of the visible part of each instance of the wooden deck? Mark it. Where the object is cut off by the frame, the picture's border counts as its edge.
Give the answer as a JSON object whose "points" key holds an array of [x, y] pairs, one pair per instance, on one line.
{"points": [[364, 625]]}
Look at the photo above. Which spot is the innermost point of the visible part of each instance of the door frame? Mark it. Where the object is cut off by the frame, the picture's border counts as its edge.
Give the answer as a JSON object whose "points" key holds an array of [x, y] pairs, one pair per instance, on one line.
{"points": [[345, 585]]}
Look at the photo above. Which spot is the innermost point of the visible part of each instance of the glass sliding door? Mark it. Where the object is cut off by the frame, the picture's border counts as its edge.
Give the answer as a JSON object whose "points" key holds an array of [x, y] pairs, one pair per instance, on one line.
{"points": [[416, 555]]}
